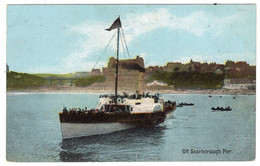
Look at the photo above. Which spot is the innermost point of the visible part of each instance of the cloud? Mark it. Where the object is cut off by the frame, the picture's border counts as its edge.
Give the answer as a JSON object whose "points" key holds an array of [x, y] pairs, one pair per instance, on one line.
{"points": [[71, 65], [197, 23], [143, 54], [89, 47], [152, 63], [96, 38], [44, 69], [147, 60]]}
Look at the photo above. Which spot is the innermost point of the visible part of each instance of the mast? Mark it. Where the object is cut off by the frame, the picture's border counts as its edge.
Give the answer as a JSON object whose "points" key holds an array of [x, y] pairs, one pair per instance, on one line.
{"points": [[117, 54], [116, 25]]}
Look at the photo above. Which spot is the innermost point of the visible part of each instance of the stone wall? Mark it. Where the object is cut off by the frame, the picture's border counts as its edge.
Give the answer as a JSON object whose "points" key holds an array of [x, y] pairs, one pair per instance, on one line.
{"points": [[130, 74]]}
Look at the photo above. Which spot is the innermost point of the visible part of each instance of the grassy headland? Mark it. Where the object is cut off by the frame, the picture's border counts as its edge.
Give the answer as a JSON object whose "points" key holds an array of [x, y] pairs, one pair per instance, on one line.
{"points": [[83, 82], [190, 79], [183, 82], [22, 80]]}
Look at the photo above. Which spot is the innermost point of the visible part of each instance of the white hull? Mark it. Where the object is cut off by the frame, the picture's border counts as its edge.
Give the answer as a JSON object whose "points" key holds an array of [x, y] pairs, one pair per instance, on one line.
{"points": [[73, 130]]}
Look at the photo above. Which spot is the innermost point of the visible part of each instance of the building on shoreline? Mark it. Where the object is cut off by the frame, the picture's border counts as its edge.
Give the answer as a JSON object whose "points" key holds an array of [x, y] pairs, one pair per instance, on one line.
{"points": [[229, 67], [95, 72], [81, 74], [239, 84], [130, 74], [157, 85]]}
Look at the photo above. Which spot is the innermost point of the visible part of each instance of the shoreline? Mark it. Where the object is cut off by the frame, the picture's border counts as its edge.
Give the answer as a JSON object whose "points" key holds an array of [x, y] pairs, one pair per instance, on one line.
{"points": [[88, 90]]}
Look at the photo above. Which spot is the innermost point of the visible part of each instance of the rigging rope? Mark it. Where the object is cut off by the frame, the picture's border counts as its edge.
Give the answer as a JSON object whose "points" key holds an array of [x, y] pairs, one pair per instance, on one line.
{"points": [[104, 51], [122, 45], [125, 42]]}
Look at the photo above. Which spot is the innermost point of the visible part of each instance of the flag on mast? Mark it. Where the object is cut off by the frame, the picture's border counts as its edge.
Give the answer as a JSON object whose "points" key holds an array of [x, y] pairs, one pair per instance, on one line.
{"points": [[116, 24]]}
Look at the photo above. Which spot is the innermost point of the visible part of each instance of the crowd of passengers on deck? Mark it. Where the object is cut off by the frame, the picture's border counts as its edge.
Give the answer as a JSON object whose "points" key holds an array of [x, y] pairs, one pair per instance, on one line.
{"points": [[109, 109], [136, 95], [93, 111]]}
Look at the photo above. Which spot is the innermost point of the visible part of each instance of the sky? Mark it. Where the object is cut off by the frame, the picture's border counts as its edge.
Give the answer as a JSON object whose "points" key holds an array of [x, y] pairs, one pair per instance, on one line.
{"points": [[70, 38]]}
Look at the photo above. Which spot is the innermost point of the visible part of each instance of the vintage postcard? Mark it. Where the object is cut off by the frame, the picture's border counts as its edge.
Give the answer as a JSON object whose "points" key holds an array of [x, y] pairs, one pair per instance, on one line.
{"points": [[127, 83]]}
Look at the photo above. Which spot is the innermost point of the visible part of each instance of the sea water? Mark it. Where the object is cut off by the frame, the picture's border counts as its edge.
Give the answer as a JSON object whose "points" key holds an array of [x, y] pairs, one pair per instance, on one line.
{"points": [[193, 133]]}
